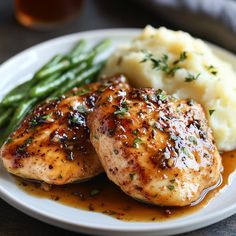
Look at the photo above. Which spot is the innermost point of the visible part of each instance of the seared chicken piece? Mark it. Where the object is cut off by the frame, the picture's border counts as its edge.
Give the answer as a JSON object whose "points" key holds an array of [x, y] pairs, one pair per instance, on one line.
{"points": [[52, 143], [155, 148]]}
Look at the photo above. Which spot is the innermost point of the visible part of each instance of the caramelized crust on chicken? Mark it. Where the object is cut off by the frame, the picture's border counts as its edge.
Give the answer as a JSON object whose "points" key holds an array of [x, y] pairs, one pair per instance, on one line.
{"points": [[52, 143], [155, 148]]}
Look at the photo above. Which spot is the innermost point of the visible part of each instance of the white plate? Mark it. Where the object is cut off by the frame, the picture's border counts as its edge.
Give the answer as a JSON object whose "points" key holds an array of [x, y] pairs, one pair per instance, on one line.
{"points": [[22, 67]]}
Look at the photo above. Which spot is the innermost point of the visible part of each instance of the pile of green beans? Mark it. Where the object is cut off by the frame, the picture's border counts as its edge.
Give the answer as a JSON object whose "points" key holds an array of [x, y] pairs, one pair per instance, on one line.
{"points": [[60, 74]]}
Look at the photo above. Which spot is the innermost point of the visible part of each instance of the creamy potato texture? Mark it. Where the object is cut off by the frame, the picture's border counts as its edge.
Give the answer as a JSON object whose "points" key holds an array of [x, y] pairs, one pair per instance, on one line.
{"points": [[185, 67]]}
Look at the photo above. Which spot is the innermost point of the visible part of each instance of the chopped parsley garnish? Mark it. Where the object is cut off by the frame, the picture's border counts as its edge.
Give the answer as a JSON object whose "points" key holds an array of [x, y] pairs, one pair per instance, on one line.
{"points": [[211, 112], [135, 132], [45, 117], [136, 141], [94, 192], [34, 122], [192, 77], [162, 63], [212, 70], [131, 175], [172, 181], [192, 139], [82, 109], [184, 150], [25, 144], [157, 64], [76, 119], [109, 98], [171, 187], [173, 70], [40, 119], [182, 57], [121, 110], [147, 56], [161, 95], [124, 103], [28, 141]]}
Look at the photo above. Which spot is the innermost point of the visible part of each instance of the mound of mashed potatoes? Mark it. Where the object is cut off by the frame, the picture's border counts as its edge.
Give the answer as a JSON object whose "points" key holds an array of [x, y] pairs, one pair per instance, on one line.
{"points": [[185, 67]]}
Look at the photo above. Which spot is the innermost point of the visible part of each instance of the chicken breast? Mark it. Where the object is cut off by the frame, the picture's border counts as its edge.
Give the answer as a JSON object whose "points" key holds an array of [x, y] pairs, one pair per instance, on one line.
{"points": [[52, 144], [154, 147]]}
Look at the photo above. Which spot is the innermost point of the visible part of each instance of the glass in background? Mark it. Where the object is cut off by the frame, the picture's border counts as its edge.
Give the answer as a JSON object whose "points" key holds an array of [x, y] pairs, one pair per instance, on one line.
{"points": [[46, 13]]}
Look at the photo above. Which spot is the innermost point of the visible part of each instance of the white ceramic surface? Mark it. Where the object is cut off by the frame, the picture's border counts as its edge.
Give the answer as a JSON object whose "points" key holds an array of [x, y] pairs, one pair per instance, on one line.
{"points": [[20, 68]]}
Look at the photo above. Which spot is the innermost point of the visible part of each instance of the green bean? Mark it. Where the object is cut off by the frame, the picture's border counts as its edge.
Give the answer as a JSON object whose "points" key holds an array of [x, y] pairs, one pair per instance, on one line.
{"points": [[16, 94], [36, 90], [5, 116], [21, 90], [92, 54], [91, 72], [78, 48], [57, 58], [48, 86], [61, 60], [24, 107], [9, 101], [100, 47], [61, 66], [74, 61], [53, 61]]}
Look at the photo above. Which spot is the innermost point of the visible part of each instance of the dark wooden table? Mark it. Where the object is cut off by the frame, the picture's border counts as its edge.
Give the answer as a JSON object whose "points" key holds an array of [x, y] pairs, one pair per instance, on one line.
{"points": [[94, 15]]}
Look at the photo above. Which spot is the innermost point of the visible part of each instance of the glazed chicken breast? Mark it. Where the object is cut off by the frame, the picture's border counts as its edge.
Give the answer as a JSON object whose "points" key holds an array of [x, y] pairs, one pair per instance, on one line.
{"points": [[156, 148], [52, 143]]}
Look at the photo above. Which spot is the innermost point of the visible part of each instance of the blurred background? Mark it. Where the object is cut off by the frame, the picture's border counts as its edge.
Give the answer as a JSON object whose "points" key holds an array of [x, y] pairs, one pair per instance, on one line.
{"points": [[213, 20], [24, 23], [90, 15]]}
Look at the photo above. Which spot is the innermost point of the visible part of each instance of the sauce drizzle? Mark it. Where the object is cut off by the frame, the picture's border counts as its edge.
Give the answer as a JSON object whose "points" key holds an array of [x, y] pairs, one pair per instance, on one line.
{"points": [[100, 195]]}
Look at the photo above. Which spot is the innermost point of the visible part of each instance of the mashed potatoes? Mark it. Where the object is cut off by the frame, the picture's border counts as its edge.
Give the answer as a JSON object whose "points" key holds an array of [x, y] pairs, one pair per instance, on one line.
{"points": [[186, 67]]}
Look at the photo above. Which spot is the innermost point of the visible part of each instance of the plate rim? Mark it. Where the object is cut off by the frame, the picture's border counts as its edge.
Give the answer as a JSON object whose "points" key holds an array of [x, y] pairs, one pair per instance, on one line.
{"points": [[209, 219]]}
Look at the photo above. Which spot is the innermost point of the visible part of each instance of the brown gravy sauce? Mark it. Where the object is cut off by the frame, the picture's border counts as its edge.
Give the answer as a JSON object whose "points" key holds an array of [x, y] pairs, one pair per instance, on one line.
{"points": [[100, 195]]}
